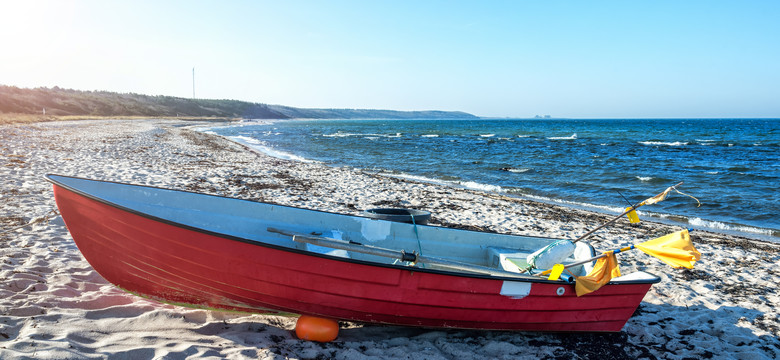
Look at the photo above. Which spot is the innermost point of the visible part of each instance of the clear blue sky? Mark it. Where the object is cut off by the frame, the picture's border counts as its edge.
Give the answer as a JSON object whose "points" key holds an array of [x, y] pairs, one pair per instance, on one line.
{"points": [[585, 59]]}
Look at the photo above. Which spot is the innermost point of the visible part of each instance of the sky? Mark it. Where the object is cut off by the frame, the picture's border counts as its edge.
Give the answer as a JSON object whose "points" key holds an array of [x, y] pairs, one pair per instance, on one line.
{"points": [[578, 59]]}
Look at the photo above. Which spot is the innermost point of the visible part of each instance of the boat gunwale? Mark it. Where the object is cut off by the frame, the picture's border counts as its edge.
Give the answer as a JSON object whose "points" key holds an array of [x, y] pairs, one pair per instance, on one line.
{"points": [[49, 177]]}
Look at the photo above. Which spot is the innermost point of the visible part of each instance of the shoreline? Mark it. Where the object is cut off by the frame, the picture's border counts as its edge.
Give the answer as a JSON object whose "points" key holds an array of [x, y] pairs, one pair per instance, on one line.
{"points": [[646, 214], [54, 305]]}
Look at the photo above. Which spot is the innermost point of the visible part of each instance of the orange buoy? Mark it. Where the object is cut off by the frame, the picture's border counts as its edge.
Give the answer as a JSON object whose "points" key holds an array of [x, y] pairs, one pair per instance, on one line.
{"points": [[316, 329]]}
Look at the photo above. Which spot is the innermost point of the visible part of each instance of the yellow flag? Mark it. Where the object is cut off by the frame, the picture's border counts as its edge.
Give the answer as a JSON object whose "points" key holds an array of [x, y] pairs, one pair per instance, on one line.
{"points": [[556, 272], [606, 268], [632, 216], [675, 249]]}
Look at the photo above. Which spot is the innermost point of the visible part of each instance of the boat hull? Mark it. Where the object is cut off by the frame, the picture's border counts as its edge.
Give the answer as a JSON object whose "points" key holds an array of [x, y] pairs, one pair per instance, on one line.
{"points": [[178, 264]]}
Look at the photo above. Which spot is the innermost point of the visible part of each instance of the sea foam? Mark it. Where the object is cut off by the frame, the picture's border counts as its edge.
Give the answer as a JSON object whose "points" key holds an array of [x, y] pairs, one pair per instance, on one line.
{"points": [[716, 225], [663, 143], [572, 137], [263, 148], [479, 186], [464, 184]]}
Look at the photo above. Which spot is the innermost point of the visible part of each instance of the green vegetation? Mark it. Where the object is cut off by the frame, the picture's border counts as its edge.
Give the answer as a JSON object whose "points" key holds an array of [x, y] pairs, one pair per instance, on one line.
{"points": [[65, 102], [298, 113], [28, 105]]}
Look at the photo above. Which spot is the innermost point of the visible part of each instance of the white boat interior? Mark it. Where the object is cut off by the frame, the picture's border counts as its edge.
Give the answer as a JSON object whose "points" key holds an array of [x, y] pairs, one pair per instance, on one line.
{"points": [[276, 224]]}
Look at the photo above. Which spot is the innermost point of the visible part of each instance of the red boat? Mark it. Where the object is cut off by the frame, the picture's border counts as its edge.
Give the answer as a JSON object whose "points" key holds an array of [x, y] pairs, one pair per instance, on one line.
{"points": [[215, 252]]}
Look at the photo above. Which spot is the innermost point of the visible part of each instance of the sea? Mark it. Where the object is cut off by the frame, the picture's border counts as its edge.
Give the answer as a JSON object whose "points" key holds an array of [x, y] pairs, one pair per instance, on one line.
{"points": [[729, 167]]}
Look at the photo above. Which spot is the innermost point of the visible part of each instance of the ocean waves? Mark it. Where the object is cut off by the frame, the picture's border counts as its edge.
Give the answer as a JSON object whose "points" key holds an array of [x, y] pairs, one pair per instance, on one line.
{"points": [[588, 163], [664, 143], [264, 148], [572, 137], [368, 135]]}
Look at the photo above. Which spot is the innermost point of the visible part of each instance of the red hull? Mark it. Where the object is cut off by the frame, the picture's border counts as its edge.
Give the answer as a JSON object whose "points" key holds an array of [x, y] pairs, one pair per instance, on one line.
{"points": [[176, 264]]}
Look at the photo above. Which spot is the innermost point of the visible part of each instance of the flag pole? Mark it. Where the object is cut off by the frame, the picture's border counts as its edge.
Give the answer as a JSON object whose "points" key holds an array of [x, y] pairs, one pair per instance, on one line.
{"points": [[630, 247], [630, 209]]}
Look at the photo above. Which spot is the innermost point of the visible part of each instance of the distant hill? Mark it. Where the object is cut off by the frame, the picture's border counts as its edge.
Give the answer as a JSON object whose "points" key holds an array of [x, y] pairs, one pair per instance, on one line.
{"points": [[64, 102], [299, 113], [67, 102]]}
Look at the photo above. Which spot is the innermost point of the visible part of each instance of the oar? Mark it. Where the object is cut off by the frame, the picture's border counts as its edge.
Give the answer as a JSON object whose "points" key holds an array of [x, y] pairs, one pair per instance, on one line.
{"points": [[655, 199], [564, 248], [394, 254], [675, 249]]}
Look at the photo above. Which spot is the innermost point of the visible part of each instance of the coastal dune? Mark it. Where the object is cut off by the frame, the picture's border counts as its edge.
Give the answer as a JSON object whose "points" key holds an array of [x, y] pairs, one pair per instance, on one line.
{"points": [[53, 305]]}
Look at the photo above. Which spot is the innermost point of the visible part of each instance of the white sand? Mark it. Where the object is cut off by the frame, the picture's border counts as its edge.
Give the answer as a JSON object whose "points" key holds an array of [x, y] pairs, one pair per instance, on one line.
{"points": [[54, 306]]}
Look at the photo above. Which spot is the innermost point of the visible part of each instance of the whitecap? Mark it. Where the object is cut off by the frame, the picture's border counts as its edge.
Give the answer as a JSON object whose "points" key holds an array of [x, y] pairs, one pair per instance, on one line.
{"points": [[577, 204], [254, 122], [464, 184], [417, 178], [487, 135], [728, 227], [263, 148], [343, 134], [246, 140], [518, 171], [340, 134], [644, 178], [663, 143], [429, 135], [479, 186], [281, 154], [572, 137]]}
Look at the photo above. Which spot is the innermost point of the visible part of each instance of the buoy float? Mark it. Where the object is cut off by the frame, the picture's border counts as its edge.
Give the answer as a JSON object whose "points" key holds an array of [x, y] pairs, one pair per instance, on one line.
{"points": [[316, 329]]}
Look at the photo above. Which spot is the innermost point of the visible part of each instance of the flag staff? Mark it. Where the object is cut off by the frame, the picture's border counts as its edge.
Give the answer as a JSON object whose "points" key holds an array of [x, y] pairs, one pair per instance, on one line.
{"points": [[631, 208]]}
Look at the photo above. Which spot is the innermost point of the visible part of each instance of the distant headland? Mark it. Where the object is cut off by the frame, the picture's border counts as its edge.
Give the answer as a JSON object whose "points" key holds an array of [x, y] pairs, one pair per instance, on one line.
{"points": [[50, 103]]}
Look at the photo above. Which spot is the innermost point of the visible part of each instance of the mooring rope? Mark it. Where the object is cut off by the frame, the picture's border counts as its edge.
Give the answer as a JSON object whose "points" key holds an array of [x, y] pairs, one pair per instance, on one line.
{"points": [[46, 217], [419, 244]]}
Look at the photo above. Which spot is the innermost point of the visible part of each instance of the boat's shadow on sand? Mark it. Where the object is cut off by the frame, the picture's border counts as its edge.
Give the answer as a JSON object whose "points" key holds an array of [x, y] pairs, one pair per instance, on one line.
{"points": [[652, 331]]}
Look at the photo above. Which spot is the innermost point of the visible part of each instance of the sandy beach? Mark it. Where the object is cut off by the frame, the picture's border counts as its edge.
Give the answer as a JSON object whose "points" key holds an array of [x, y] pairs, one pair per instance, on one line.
{"points": [[53, 305]]}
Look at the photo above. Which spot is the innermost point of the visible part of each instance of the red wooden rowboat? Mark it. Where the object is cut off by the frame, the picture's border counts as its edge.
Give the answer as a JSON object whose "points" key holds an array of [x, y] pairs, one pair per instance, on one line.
{"points": [[215, 252]]}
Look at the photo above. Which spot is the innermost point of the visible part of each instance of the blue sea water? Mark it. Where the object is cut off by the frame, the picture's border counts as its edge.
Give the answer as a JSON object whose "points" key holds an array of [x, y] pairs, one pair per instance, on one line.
{"points": [[731, 165]]}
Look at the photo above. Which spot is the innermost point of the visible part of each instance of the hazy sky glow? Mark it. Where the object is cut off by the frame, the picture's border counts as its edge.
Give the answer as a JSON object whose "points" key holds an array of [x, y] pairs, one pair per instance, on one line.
{"points": [[586, 59]]}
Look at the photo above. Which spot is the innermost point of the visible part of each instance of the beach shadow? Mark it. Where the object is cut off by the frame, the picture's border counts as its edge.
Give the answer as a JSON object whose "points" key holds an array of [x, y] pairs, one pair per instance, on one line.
{"points": [[655, 331]]}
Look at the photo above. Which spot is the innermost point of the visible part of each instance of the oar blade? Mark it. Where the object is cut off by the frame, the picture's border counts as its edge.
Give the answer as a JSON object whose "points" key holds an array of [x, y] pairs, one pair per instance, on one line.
{"points": [[675, 249]]}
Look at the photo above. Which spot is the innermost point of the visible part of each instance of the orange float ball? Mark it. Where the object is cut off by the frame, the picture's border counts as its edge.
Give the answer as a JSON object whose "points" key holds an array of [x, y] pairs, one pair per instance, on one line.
{"points": [[316, 329]]}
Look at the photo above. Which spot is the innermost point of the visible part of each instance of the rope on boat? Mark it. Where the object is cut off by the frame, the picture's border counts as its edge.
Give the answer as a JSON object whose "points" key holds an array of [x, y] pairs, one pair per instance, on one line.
{"points": [[44, 218], [419, 244]]}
